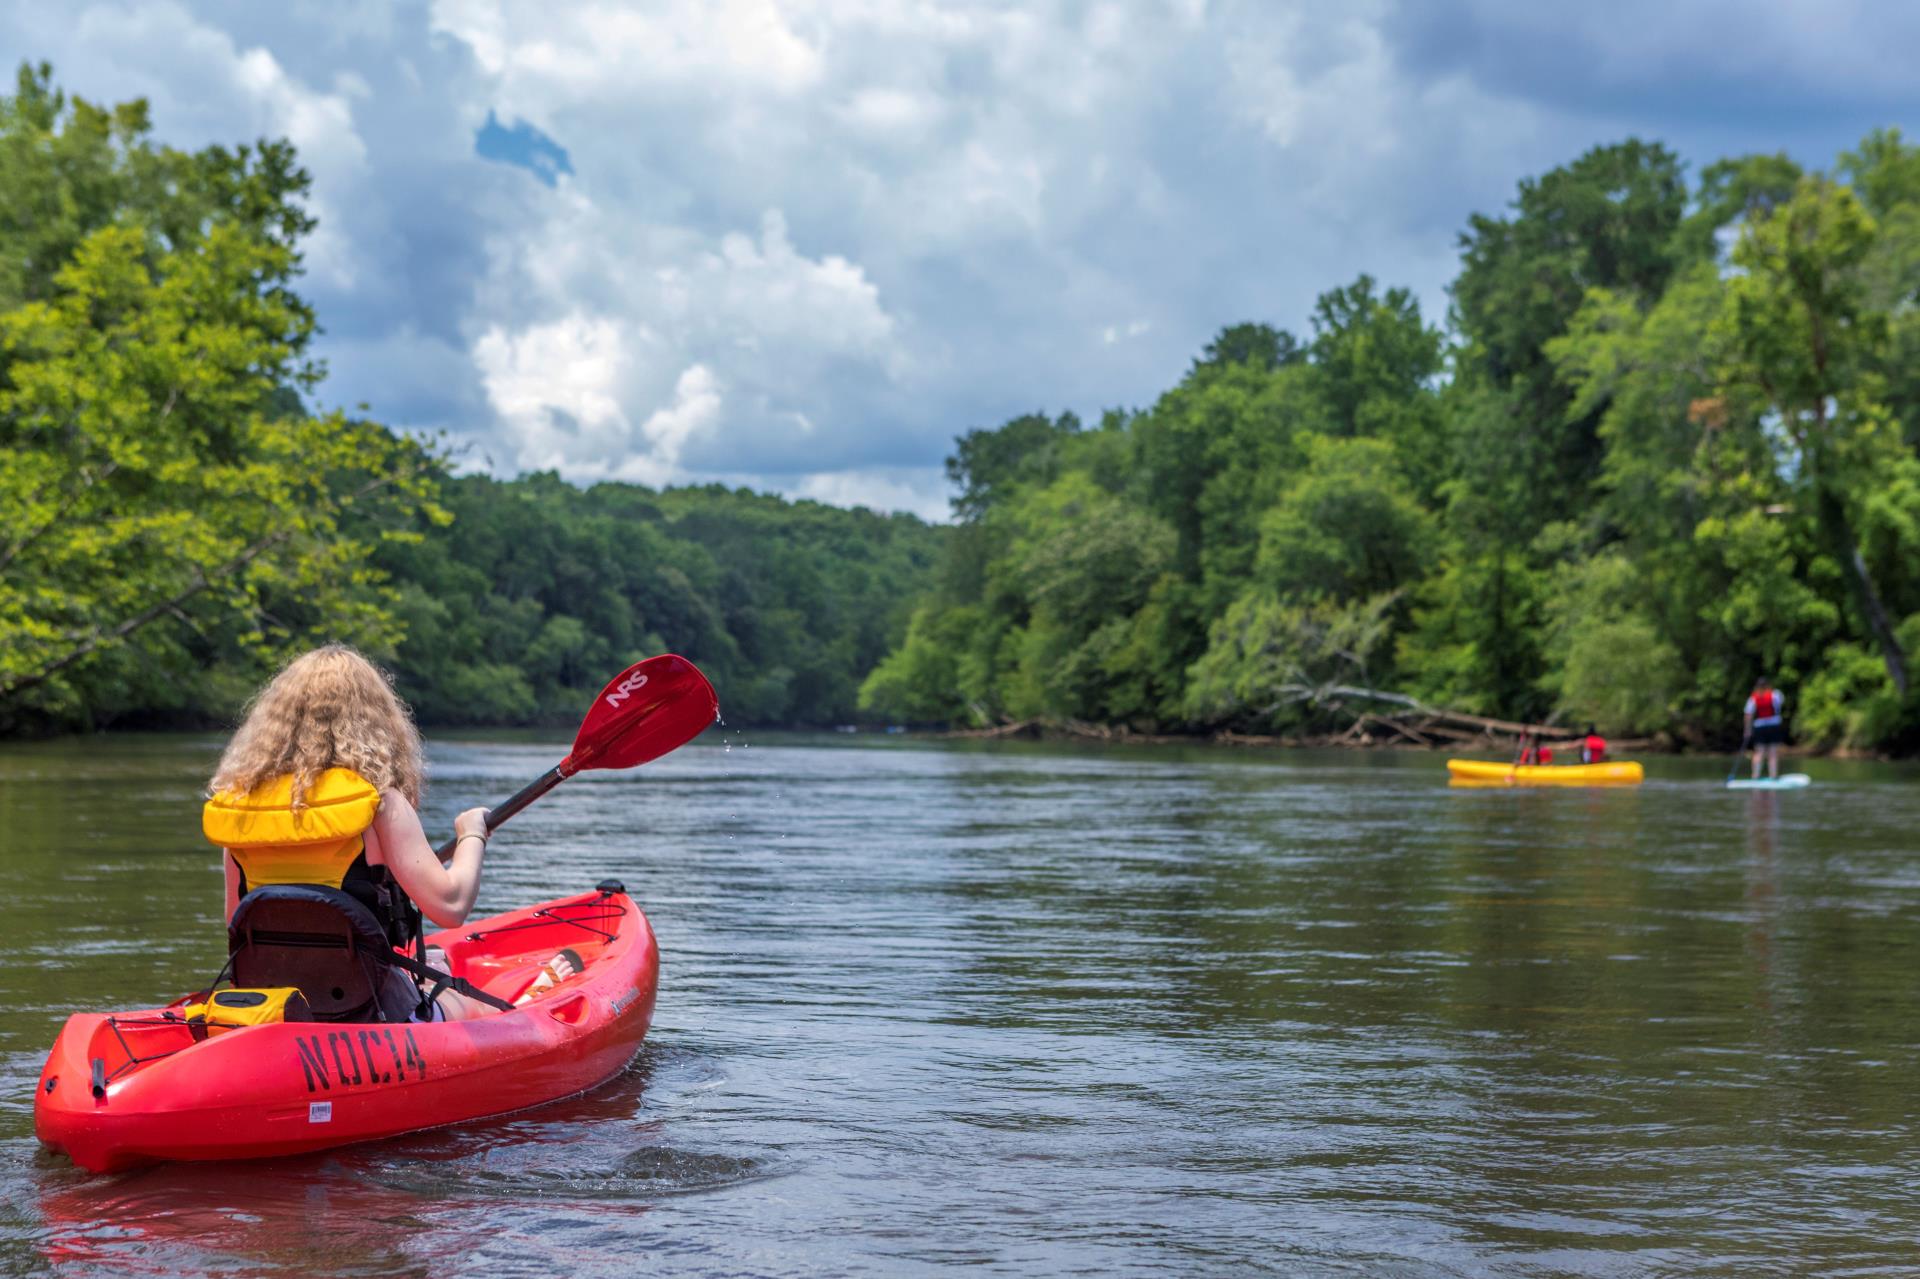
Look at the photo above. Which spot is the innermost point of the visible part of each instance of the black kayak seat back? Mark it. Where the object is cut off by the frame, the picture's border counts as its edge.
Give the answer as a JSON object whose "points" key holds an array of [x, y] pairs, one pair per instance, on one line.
{"points": [[322, 940]]}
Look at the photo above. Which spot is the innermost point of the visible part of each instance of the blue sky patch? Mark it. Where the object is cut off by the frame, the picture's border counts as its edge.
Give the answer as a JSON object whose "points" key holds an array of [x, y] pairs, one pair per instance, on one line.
{"points": [[523, 146]]}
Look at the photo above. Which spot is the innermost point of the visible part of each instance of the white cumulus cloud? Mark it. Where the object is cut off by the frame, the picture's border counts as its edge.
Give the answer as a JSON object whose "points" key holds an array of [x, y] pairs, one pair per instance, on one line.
{"points": [[804, 243]]}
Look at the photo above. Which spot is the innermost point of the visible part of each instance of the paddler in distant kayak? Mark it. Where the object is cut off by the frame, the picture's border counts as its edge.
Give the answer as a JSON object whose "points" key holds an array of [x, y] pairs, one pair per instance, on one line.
{"points": [[1593, 747], [1765, 725], [316, 805]]}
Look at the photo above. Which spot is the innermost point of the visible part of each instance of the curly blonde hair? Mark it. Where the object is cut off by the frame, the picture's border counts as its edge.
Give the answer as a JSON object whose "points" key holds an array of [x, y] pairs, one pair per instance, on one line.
{"points": [[329, 708]]}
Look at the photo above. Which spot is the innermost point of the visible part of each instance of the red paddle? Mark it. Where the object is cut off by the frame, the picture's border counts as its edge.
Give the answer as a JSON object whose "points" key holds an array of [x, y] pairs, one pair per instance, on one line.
{"points": [[645, 711]]}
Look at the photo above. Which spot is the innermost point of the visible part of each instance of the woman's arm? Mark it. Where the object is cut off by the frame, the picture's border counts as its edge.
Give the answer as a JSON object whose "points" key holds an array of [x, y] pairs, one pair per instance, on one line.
{"points": [[444, 894], [232, 873]]}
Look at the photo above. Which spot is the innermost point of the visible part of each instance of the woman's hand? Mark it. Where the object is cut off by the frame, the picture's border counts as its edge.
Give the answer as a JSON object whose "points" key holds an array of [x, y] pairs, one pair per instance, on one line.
{"points": [[472, 822]]}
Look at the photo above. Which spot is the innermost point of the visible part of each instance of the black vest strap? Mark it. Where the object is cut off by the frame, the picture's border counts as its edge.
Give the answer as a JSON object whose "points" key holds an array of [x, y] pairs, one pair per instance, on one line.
{"points": [[376, 888], [408, 963]]}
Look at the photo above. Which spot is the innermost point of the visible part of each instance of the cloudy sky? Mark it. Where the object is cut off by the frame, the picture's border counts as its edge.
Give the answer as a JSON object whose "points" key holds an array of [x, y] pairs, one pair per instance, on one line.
{"points": [[800, 244]]}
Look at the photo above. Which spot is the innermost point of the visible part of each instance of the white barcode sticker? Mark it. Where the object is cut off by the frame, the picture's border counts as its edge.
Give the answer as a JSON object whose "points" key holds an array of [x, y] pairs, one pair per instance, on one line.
{"points": [[319, 1112]]}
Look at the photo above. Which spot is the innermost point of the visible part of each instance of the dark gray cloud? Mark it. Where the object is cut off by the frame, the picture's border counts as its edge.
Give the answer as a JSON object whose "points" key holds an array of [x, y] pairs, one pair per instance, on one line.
{"points": [[1755, 77], [802, 244]]}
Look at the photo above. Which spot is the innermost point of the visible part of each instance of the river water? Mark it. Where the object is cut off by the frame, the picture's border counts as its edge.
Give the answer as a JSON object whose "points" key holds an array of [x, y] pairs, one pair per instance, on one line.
{"points": [[1046, 1010]]}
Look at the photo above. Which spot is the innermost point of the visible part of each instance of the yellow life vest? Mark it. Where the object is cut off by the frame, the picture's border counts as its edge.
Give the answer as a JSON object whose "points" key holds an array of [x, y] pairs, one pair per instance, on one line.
{"points": [[274, 844]]}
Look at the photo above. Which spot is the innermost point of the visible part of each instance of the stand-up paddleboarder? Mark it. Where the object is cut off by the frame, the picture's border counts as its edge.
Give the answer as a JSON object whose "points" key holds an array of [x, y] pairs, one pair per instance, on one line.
{"points": [[1766, 726]]}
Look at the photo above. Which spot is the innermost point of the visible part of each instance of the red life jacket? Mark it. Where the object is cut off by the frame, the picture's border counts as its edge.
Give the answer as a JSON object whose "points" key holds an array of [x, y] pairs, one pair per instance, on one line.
{"points": [[1594, 748], [1766, 708]]}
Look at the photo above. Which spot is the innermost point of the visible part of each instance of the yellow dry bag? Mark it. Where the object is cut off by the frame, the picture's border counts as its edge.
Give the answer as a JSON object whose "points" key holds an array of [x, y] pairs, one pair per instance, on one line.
{"points": [[226, 1009]]}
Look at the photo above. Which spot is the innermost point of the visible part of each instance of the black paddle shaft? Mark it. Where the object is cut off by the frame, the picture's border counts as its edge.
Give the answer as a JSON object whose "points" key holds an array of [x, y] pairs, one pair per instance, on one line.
{"points": [[526, 795]]}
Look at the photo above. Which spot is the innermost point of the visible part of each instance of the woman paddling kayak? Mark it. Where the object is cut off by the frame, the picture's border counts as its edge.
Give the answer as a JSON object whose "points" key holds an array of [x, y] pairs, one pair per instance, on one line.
{"points": [[315, 804], [245, 1071]]}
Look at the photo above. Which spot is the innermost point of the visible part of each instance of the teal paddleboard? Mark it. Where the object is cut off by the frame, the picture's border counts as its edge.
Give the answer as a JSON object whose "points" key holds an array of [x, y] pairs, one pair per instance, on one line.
{"points": [[1786, 781]]}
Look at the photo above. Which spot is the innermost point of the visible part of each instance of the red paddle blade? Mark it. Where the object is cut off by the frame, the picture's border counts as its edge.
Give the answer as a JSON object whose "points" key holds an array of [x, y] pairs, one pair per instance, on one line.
{"points": [[650, 708]]}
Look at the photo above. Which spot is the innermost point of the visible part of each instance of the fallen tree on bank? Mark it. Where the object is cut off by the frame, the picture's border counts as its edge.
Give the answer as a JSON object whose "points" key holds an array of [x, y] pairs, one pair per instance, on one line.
{"points": [[1415, 725]]}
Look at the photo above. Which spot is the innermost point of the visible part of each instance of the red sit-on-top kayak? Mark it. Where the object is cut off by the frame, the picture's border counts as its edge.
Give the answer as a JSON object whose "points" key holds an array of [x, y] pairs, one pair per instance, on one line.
{"points": [[122, 1089]]}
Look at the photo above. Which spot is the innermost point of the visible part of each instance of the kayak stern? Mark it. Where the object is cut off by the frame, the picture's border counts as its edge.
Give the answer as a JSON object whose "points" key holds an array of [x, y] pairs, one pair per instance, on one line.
{"points": [[123, 1089]]}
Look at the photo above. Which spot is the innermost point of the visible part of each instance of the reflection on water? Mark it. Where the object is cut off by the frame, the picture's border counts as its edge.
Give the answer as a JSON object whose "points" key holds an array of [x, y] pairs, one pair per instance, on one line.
{"points": [[1037, 1010]]}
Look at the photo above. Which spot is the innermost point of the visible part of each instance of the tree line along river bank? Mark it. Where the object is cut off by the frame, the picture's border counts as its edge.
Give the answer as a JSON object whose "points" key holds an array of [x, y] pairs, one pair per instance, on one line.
{"points": [[1662, 443]]}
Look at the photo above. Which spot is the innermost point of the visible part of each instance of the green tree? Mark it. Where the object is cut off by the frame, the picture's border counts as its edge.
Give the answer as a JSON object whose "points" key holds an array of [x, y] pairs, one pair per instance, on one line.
{"points": [[988, 463], [1804, 341], [1213, 452], [929, 677], [1081, 564], [1732, 191], [1609, 220], [1610, 664], [1271, 663], [1523, 453], [165, 499], [68, 168], [1348, 527], [1260, 345], [1376, 361]]}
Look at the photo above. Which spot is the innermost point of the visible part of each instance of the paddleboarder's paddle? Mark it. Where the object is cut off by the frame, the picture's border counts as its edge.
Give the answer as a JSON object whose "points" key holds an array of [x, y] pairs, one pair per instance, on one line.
{"points": [[1739, 755], [645, 711]]}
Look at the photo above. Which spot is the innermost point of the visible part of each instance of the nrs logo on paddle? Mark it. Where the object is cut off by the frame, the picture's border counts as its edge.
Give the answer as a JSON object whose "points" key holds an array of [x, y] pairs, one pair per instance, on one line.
{"points": [[626, 688]]}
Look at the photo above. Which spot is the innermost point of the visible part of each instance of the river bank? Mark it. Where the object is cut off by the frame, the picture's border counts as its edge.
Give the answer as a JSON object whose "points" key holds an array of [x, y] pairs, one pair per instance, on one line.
{"points": [[1381, 735]]}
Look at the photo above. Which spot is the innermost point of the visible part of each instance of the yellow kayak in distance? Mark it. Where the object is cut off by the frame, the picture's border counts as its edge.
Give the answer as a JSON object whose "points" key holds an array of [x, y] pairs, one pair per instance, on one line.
{"points": [[1484, 772]]}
